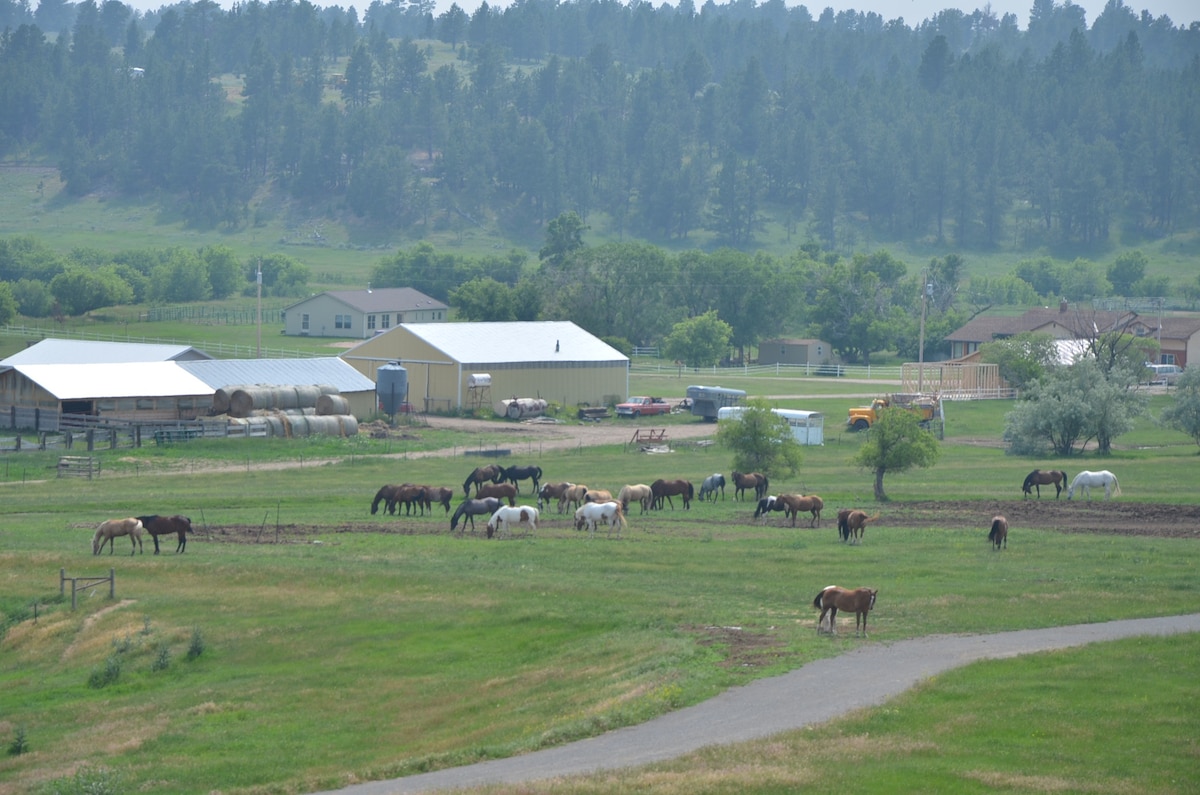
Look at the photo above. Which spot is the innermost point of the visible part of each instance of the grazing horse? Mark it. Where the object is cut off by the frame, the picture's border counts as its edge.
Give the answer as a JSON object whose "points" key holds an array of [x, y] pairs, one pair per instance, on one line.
{"points": [[667, 488], [1044, 477], [467, 510], [552, 491], [391, 496], [710, 485], [1088, 480], [176, 525], [640, 492], [831, 599], [514, 473], [442, 495], [999, 532], [752, 480], [593, 513], [598, 495], [768, 504], [112, 528], [503, 491], [479, 476], [843, 525], [572, 496], [856, 525], [507, 516], [795, 504]]}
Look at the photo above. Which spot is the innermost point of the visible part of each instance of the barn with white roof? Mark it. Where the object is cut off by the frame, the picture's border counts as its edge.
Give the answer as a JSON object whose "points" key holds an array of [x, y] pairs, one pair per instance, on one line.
{"points": [[554, 360]]}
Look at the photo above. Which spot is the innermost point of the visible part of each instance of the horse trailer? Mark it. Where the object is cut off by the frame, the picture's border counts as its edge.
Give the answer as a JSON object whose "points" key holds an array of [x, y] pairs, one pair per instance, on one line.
{"points": [[708, 400], [808, 427]]}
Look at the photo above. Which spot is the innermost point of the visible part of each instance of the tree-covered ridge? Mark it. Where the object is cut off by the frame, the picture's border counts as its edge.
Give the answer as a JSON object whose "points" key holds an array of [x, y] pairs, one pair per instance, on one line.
{"points": [[669, 121]]}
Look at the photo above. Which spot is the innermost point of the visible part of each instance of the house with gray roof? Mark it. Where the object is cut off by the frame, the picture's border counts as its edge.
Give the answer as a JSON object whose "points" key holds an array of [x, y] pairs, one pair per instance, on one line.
{"points": [[360, 314]]}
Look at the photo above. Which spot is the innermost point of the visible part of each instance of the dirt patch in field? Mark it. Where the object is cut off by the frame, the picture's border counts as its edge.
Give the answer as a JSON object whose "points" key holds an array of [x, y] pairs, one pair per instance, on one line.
{"points": [[1116, 517]]}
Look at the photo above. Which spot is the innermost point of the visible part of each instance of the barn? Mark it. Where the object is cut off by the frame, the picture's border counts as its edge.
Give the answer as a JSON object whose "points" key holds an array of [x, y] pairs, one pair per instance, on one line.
{"points": [[554, 360]]}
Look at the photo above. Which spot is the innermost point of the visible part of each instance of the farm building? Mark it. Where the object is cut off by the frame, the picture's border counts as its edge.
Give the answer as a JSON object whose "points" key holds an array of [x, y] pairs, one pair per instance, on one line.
{"points": [[59, 351], [553, 360], [360, 313], [794, 351]]}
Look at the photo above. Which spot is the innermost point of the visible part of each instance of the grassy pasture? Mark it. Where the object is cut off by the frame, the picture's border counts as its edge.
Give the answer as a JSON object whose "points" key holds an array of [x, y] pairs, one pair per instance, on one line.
{"points": [[333, 650]]}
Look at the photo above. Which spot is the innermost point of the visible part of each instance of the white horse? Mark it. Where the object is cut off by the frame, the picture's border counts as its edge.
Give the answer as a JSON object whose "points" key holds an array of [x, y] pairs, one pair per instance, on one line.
{"points": [[592, 513], [1088, 480], [507, 516]]}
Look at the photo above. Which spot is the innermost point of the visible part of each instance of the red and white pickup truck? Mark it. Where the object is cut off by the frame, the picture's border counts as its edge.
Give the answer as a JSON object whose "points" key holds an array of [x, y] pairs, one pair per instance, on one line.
{"points": [[643, 407]]}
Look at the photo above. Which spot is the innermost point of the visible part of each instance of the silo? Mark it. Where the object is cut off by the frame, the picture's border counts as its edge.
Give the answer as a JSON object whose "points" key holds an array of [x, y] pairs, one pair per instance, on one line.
{"points": [[391, 388]]}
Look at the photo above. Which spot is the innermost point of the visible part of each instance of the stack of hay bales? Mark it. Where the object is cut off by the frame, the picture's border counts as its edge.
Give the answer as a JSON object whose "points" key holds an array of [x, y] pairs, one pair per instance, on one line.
{"points": [[289, 410]]}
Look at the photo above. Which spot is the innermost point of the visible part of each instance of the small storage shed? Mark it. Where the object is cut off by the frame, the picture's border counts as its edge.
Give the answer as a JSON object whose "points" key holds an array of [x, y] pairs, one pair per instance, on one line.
{"points": [[794, 351]]}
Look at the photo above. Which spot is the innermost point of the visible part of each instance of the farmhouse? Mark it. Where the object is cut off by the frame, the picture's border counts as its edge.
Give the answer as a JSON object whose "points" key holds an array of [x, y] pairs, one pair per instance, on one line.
{"points": [[360, 313], [553, 360]]}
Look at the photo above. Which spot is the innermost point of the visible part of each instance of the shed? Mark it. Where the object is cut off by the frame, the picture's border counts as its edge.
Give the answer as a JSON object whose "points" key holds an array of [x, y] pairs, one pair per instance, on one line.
{"points": [[794, 351], [554, 360]]}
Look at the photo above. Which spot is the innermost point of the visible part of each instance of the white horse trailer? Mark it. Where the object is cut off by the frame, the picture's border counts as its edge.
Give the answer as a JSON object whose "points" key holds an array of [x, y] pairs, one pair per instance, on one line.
{"points": [[808, 427]]}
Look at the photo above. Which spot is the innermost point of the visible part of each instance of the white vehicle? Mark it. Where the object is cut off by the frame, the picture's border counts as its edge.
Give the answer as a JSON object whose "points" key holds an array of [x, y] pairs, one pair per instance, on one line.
{"points": [[1163, 374]]}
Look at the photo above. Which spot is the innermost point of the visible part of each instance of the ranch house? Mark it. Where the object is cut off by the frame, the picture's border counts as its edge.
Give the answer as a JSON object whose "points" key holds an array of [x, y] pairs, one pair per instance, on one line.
{"points": [[556, 361], [360, 313]]}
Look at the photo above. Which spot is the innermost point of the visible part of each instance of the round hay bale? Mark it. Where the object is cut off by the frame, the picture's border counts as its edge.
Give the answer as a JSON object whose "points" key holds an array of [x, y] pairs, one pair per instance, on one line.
{"points": [[278, 426], [332, 404], [221, 397], [306, 395]]}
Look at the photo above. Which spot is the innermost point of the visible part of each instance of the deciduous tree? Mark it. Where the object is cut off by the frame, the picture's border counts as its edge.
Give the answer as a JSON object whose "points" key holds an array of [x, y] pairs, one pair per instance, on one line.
{"points": [[896, 443]]}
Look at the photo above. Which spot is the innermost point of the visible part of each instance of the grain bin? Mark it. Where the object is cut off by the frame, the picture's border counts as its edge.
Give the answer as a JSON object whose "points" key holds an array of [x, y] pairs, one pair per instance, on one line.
{"points": [[391, 388]]}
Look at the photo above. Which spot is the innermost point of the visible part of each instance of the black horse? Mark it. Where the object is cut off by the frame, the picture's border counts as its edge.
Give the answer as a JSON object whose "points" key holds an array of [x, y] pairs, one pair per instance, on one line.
{"points": [[514, 473], [469, 509], [156, 526]]}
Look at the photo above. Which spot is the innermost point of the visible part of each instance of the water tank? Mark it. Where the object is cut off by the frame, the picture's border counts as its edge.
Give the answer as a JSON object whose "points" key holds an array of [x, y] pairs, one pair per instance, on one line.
{"points": [[479, 379], [391, 387]]}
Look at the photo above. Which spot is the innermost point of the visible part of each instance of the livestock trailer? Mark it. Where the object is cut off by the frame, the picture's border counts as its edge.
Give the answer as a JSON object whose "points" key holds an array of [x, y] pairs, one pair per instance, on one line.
{"points": [[708, 400], [808, 427]]}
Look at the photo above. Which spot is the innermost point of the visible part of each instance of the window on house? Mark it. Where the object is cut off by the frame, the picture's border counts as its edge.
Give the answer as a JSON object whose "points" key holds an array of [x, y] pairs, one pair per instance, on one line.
{"points": [[370, 321], [341, 322], [385, 321], [304, 322]]}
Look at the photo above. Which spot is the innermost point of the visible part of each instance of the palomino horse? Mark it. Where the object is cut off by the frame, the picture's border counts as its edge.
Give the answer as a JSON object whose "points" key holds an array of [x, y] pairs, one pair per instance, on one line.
{"points": [[113, 528], [593, 513], [639, 492], [572, 496], [710, 486], [598, 495], [467, 510], [1088, 480], [506, 516], [503, 491], [795, 504], [156, 526], [855, 525], [1044, 477], [831, 599], [668, 488], [999, 532], [752, 480], [479, 476], [514, 473], [768, 504], [551, 492]]}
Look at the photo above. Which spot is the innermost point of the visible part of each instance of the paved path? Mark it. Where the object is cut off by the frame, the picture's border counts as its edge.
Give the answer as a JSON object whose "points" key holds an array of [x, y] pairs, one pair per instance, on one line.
{"points": [[812, 694]]}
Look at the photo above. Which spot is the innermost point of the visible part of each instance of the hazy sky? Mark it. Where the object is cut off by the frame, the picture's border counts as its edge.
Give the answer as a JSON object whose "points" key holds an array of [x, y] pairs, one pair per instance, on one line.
{"points": [[1181, 12]]}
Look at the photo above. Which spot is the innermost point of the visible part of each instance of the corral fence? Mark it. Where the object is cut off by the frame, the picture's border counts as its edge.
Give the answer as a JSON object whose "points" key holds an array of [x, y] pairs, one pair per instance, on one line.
{"points": [[79, 584], [865, 372]]}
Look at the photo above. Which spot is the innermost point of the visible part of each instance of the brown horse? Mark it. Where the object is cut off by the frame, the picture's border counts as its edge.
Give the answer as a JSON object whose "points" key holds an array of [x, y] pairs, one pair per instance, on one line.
{"points": [[113, 528], [661, 489], [551, 492], [502, 491], [856, 525], [751, 480], [439, 494], [1044, 477], [795, 504], [391, 496], [156, 526], [831, 599], [480, 475], [999, 532]]}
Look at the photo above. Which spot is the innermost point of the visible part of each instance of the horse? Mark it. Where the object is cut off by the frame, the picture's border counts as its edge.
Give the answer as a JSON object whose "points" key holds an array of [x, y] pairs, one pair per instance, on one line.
{"points": [[640, 492], [1088, 480], [752, 480], [832, 599], [393, 495], [552, 491], [504, 491], [514, 473], [479, 476], [668, 488], [166, 525], [999, 532], [439, 494], [572, 496], [591, 514], [598, 495], [508, 515], [710, 485], [843, 524], [110, 529], [467, 510], [1044, 477], [768, 504], [856, 525], [795, 504]]}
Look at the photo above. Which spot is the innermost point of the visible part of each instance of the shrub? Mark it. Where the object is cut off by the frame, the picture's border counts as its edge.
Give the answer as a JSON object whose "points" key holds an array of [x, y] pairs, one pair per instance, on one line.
{"points": [[196, 646], [19, 744]]}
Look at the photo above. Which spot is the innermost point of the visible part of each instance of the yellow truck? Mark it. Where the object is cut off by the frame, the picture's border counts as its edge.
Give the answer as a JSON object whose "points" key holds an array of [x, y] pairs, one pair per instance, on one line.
{"points": [[927, 407]]}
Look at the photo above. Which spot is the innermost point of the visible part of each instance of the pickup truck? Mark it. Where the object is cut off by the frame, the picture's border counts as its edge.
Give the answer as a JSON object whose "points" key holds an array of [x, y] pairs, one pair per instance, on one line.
{"points": [[643, 407]]}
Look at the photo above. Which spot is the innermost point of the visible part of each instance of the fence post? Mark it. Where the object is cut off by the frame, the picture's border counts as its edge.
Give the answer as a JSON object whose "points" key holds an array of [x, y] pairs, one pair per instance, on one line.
{"points": [[74, 602], [62, 579], [90, 435], [112, 583]]}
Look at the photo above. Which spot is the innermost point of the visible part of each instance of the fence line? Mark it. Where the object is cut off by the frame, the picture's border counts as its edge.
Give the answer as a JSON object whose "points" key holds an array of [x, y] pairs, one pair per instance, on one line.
{"points": [[88, 583], [870, 371]]}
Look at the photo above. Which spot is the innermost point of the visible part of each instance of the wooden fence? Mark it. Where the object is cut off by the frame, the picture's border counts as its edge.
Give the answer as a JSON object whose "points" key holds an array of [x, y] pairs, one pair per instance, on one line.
{"points": [[85, 583], [78, 466]]}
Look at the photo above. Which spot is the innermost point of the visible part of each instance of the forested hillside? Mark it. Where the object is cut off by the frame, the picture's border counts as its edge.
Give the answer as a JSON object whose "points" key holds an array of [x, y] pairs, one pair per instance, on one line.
{"points": [[675, 124]]}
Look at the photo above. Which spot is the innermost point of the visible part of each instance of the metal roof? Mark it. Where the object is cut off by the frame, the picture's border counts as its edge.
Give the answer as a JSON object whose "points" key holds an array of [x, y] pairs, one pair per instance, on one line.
{"points": [[503, 343], [114, 380], [388, 299], [218, 373], [58, 351]]}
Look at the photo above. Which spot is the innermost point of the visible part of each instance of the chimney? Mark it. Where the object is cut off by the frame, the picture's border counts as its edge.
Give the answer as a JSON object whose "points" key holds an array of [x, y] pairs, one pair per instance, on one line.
{"points": [[1062, 306]]}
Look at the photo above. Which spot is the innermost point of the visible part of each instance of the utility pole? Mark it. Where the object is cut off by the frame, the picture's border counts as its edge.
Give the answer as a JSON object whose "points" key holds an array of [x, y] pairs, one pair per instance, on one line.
{"points": [[258, 276], [926, 288]]}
